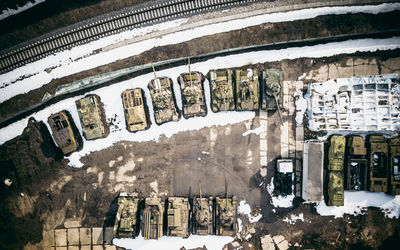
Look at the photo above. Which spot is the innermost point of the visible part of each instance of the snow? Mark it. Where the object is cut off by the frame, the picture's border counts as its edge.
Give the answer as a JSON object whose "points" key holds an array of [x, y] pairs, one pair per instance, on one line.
{"points": [[240, 225], [256, 131], [7, 182], [9, 12], [293, 218], [301, 106], [356, 203], [211, 242], [33, 75], [279, 201], [301, 77], [245, 209]]}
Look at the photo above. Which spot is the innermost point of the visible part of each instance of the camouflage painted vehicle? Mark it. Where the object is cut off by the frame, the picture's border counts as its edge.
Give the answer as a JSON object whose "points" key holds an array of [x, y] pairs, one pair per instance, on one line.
{"points": [[221, 86], [178, 217], [272, 89], [193, 100], [202, 220], [394, 166], [378, 163], [336, 153], [92, 117], [135, 110], [163, 100], [335, 189], [246, 89], [126, 220], [357, 165], [225, 216], [63, 134], [152, 219]]}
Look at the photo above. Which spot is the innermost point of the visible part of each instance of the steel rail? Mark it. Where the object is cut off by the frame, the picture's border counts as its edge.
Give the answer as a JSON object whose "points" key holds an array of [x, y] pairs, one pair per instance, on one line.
{"points": [[117, 23]]}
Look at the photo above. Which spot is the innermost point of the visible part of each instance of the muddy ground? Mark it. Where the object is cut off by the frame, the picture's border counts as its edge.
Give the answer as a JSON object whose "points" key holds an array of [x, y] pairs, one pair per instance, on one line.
{"points": [[262, 34]]}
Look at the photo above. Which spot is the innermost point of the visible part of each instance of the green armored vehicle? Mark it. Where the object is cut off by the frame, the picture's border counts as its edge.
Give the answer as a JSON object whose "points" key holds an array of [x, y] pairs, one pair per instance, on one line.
{"points": [[178, 209], [134, 110], [335, 189], [394, 166], [221, 86], [357, 165], [336, 153], [163, 99], [246, 89], [272, 90], [225, 216], [92, 117], [152, 219], [193, 100], [378, 163], [126, 222], [63, 134], [202, 220]]}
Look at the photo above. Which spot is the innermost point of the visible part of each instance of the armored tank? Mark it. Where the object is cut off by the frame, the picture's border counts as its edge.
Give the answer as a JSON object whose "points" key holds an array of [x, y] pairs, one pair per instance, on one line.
{"points": [[225, 216], [335, 189], [178, 217], [63, 134], [126, 222], [92, 117], [378, 161], [357, 165], [221, 86], [193, 100], [152, 219], [135, 111], [336, 152], [246, 89], [272, 90], [394, 166], [163, 100], [202, 221]]}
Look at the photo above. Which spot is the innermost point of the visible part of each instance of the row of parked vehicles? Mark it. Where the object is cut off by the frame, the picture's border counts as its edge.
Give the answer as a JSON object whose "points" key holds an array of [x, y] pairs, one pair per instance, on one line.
{"points": [[372, 166], [176, 216], [230, 90]]}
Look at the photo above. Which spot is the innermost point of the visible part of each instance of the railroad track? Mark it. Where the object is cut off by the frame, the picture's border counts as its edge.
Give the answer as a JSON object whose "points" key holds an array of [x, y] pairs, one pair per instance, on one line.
{"points": [[160, 11]]}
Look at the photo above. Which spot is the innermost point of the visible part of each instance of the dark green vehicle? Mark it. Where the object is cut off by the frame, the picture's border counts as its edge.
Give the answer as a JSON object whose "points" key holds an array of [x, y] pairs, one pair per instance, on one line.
{"points": [[335, 189], [272, 89], [246, 89]]}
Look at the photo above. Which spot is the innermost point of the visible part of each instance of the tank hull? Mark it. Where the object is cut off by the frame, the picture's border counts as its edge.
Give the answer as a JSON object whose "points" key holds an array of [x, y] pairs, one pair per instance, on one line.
{"points": [[126, 220], [336, 153], [134, 110], [335, 189], [225, 216], [246, 90], [63, 134], [202, 220], [193, 99], [221, 86], [269, 78]]}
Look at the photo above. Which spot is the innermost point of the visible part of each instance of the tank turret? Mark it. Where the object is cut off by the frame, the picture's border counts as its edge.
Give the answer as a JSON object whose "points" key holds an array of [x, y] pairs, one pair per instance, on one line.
{"points": [[126, 222], [221, 90], [62, 129], [202, 221], [336, 152], [92, 117], [152, 219], [246, 89], [134, 109], [335, 189], [178, 217], [226, 214]]}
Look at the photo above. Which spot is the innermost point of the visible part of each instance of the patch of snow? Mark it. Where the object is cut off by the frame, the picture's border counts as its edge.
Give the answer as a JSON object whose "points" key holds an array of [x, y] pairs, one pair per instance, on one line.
{"points": [[198, 158], [301, 77], [205, 153], [245, 209], [263, 172], [9, 12], [356, 203], [294, 218], [7, 182], [301, 106], [247, 237], [154, 186], [77, 59], [240, 225], [279, 201], [256, 131], [211, 242]]}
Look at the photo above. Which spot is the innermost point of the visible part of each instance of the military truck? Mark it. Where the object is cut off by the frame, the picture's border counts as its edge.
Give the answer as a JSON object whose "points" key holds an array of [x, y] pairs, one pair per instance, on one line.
{"points": [[92, 117], [134, 109], [126, 221], [394, 166], [152, 218], [178, 209], [246, 89], [283, 181], [221, 86], [202, 220], [336, 153], [225, 216], [378, 161], [272, 90], [357, 165], [335, 189], [193, 100], [63, 134]]}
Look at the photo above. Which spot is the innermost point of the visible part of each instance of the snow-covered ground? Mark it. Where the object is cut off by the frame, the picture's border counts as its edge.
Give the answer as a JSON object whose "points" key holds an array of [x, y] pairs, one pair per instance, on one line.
{"points": [[279, 201], [33, 75], [245, 209], [9, 12], [355, 203]]}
